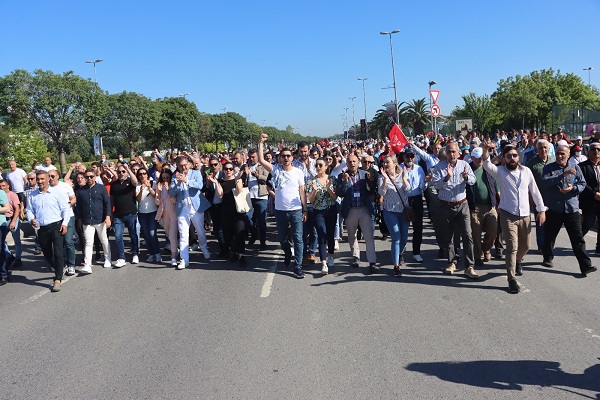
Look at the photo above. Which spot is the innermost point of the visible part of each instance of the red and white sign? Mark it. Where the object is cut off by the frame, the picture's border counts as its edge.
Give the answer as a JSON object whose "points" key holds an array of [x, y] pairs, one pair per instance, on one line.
{"points": [[435, 111], [434, 95]]}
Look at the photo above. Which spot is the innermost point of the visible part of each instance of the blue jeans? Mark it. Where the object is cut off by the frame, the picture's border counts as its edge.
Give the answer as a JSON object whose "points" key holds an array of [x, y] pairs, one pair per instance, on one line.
{"points": [[3, 269], [289, 229], [129, 220], [258, 217], [325, 222], [16, 234], [398, 227], [148, 226], [69, 245]]}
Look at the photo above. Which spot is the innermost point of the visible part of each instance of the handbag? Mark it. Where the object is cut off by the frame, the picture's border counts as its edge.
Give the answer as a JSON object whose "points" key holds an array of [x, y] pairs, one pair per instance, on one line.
{"points": [[243, 202]]}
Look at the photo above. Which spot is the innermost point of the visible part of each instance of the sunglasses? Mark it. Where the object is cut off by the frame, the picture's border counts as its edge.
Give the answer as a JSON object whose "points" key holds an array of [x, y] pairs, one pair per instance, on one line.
{"points": [[121, 171], [512, 155], [320, 165], [409, 155], [228, 169], [31, 179], [368, 162], [90, 176], [595, 149], [214, 165], [142, 173]]}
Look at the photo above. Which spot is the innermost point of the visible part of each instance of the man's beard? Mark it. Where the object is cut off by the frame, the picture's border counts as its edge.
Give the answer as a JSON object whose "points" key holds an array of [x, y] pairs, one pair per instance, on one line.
{"points": [[512, 166]]}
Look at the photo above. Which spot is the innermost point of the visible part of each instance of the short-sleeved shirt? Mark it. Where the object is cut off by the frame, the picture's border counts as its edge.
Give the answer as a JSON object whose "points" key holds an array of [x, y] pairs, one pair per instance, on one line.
{"points": [[148, 203], [322, 200], [3, 201], [287, 188], [17, 180], [14, 202]]}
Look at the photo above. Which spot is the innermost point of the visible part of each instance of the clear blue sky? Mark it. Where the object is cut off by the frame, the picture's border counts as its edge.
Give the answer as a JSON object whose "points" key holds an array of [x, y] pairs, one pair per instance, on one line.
{"points": [[297, 63]]}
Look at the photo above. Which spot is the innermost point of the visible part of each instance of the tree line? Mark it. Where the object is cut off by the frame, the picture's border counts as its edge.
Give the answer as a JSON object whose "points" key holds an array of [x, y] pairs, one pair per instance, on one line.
{"points": [[46, 112]]}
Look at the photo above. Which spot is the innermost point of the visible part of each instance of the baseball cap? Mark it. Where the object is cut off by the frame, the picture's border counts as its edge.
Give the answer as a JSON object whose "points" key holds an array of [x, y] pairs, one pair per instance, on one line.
{"points": [[579, 138], [577, 148], [562, 143], [477, 152]]}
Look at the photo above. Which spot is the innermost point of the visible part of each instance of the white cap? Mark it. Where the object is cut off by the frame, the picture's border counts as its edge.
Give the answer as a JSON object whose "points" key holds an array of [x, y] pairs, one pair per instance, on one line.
{"points": [[562, 143], [578, 138], [477, 152]]}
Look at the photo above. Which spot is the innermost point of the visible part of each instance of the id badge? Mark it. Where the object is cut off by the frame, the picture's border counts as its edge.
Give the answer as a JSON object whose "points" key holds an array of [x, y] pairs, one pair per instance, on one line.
{"points": [[356, 194]]}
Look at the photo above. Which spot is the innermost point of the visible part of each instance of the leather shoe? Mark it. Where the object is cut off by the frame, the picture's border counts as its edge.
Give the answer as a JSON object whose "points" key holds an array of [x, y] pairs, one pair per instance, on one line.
{"points": [[548, 263], [513, 286], [519, 269], [586, 271]]}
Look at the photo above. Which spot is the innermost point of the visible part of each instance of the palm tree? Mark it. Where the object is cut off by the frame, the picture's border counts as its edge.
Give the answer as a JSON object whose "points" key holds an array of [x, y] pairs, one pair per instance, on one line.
{"points": [[415, 113]]}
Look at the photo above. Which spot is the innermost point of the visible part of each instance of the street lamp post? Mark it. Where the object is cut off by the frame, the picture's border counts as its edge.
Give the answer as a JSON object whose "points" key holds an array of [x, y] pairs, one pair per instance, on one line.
{"points": [[365, 101], [393, 71], [94, 62], [431, 83], [588, 69], [184, 94], [353, 120]]}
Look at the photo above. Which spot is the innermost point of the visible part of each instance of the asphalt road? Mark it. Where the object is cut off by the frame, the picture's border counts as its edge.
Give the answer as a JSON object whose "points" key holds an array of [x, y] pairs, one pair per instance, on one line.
{"points": [[214, 331]]}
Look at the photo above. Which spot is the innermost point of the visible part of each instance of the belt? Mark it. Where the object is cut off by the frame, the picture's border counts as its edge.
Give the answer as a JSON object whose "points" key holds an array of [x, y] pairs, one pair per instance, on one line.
{"points": [[453, 203]]}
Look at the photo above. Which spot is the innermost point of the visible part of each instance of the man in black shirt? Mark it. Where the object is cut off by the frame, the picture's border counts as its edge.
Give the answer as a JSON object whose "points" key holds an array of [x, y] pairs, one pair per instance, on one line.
{"points": [[93, 215], [122, 198]]}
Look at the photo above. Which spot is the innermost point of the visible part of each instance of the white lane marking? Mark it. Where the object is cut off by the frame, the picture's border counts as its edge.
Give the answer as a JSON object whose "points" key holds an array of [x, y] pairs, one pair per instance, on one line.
{"points": [[45, 291], [266, 289]]}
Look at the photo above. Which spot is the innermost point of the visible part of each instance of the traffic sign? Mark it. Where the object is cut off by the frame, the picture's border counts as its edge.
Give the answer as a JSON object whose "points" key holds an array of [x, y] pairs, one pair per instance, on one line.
{"points": [[434, 95], [435, 111]]}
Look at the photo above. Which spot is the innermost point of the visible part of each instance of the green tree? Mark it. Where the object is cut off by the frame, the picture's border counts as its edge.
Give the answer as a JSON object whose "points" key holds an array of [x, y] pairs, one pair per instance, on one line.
{"points": [[133, 117], [22, 144], [178, 122], [415, 114], [482, 109], [59, 105]]}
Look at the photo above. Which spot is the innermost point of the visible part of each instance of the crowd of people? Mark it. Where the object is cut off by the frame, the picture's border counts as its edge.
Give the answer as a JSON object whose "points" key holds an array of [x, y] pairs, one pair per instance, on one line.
{"points": [[479, 192]]}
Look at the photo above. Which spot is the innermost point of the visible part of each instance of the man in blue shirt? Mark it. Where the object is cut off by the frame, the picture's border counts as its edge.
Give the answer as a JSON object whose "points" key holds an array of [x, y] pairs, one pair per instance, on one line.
{"points": [[47, 212], [561, 185], [416, 179]]}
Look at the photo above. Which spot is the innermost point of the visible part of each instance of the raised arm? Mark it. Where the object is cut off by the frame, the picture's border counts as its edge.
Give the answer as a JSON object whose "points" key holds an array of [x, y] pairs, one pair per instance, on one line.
{"points": [[261, 158]]}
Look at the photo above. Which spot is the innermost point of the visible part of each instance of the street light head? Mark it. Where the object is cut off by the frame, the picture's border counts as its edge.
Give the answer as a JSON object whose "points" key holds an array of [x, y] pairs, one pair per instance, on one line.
{"points": [[99, 60], [431, 83], [396, 31], [384, 33]]}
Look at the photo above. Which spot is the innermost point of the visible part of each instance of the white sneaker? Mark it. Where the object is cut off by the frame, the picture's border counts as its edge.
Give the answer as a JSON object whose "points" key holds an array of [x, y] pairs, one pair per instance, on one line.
{"points": [[151, 258], [181, 265], [135, 260], [107, 264], [157, 258], [173, 262], [120, 263], [337, 245], [324, 270], [417, 258], [330, 262], [86, 270], [70, 271]]}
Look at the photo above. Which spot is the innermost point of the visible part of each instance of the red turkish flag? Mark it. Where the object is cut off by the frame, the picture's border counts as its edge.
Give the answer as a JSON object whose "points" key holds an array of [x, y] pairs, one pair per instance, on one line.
{"points": [[397, 139]]}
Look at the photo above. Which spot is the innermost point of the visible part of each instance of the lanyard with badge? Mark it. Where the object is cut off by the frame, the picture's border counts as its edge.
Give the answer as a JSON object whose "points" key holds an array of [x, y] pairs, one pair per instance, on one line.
{"points": [[355, 184]]}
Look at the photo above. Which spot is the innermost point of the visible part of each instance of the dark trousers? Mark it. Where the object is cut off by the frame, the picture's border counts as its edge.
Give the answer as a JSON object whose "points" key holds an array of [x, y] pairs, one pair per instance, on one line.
{"points": [[215, 216], [457, 217], [590, 215], [416, 202], [3, 266], [52, 244], [234, 229], [309, 232], [572, 223], [324, 221]]}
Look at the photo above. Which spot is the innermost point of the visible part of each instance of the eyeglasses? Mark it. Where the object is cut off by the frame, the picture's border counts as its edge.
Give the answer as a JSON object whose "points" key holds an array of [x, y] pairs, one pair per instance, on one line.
{"points": [[228, 169], [121, 171], [286, 155], [512, 155], [367, 161], [90, 176]]}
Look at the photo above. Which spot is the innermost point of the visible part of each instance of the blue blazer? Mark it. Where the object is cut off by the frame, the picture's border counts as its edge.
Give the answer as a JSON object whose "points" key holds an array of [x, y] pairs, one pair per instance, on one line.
{"points": [[346, 191], [195, 183]]}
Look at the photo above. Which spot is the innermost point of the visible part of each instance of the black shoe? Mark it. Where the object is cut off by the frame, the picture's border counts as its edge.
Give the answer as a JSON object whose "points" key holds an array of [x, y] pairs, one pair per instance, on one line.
{"points": [[373, 268], [355, 262], [243, 262], [588, 270], [223, 254], [234, 257], [251, 241], [287, 261], [548, 263], [18, 263], [397, 271], [513, 286], [298, 273], [3, 281], [519, 271], [9, 261], [441, 254], [263, 246]]}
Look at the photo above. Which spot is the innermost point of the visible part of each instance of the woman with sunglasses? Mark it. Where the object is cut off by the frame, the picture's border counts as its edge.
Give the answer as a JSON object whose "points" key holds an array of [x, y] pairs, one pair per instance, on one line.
{"points": [[166, 211], [394, 187], [321, 193], [145, 195], [233, 223]]}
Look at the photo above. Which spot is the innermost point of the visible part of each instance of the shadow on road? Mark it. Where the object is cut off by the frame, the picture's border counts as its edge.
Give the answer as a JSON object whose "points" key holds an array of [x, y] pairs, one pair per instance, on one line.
{"points": [[512, 375]]}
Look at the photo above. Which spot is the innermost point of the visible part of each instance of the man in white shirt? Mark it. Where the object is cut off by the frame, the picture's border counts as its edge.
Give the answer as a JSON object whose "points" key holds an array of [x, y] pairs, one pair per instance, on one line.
{"points": [[46, 166], [516, 184], [17, 178], [290, 204]]}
